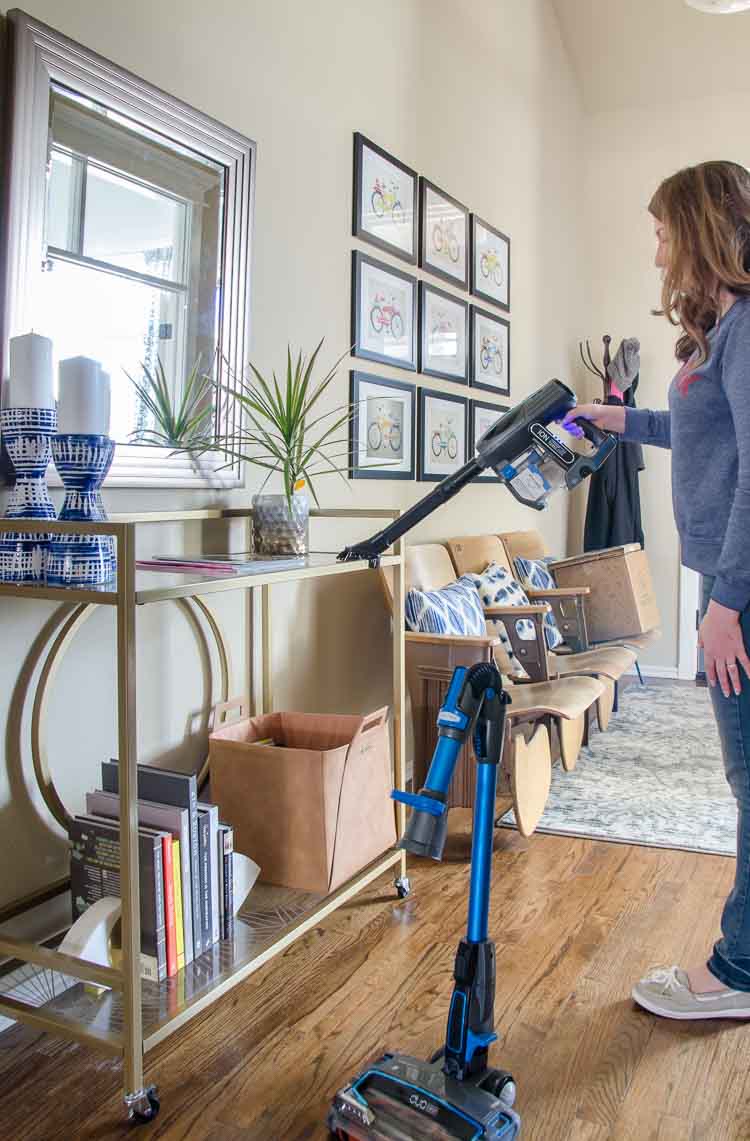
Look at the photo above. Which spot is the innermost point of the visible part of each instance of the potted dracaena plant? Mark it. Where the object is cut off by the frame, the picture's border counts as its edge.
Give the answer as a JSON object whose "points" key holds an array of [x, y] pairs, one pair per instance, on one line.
{"points": [[285, 430]]}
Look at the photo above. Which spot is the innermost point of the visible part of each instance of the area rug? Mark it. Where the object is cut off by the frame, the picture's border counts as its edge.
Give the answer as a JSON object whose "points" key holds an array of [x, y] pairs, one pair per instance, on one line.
{"points": [[655, 777]]}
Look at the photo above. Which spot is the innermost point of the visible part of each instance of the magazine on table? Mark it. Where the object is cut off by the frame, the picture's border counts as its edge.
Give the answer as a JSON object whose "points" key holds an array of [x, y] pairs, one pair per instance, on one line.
{"points": [[241, 562]]}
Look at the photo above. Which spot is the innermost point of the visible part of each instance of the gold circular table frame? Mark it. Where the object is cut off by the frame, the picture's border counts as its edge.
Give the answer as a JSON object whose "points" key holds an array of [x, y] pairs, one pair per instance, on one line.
{"points": [[55, 655]]}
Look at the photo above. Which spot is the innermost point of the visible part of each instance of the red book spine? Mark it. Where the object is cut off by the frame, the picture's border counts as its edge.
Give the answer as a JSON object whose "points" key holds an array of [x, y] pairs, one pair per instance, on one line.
{"points": [[169, 906]]}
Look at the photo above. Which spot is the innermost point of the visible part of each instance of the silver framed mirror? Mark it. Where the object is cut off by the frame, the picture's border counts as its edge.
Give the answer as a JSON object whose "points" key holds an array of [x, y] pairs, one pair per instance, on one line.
{"points": [[129, 240]]}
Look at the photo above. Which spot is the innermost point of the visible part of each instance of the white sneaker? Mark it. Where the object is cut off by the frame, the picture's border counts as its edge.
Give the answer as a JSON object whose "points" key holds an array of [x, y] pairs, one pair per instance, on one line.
{"points": [[666, 991]]}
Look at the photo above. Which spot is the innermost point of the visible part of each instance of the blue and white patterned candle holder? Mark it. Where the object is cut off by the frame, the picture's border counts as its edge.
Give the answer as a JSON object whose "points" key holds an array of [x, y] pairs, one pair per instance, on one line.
{"points": [[27, 433], [82, 560]]}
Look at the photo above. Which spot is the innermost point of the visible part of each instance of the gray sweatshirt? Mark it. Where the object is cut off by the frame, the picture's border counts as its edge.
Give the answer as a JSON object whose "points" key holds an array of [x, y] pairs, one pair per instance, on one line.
{"points": [[708, 429]]}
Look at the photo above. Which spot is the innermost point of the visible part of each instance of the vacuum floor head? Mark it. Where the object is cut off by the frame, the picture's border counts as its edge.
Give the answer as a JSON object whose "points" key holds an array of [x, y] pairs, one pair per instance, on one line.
{"points": [[400, 1098]]}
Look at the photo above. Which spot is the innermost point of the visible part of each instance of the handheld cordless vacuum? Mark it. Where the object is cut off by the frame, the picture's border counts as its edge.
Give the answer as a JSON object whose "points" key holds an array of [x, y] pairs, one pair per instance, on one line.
{"points": [[457, 1095], [524, 453]]}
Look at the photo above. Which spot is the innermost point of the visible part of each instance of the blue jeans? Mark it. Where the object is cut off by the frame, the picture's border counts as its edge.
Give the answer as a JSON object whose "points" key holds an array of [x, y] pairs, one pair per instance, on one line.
{"points": [[730, 961]]}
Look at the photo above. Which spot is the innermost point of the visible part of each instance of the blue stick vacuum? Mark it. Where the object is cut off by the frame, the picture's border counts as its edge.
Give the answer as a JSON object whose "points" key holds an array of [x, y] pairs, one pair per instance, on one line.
{"points": [[457, 1095]]}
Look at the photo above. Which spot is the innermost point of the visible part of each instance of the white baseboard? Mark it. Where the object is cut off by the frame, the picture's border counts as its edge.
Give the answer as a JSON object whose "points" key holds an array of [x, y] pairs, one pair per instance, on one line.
{"points": [[654, 671]]}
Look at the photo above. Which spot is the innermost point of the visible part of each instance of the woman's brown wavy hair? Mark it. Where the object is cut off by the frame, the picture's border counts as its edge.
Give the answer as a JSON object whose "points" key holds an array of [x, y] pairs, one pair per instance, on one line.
{"points": [[706, 211]]}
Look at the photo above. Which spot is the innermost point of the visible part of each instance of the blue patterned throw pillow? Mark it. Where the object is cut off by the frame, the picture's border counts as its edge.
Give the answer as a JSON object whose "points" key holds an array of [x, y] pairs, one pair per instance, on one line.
{"points": [[497, 587], [534, 573], [455, 609]]}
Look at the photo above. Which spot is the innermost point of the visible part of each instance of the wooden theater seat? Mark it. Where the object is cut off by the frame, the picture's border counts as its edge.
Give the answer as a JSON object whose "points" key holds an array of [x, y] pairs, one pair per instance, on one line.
{"points": [[534, 709], [472, 554]]}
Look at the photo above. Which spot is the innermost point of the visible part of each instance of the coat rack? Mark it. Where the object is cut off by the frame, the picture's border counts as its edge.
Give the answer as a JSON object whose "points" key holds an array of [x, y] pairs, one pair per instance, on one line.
{"points": [[591, 365]]}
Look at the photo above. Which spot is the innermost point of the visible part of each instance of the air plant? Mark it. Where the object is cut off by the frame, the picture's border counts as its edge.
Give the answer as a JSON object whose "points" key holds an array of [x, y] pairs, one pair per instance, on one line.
{"points": [[177, 423], [282, 428]]}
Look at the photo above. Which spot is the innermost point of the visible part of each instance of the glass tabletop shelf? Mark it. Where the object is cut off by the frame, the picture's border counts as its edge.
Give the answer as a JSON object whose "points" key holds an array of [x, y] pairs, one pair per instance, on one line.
{"points": [[155, 585]]}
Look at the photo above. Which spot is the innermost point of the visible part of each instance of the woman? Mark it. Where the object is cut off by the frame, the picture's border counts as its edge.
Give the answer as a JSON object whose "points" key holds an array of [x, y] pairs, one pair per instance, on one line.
{"points": [[702, 222]]}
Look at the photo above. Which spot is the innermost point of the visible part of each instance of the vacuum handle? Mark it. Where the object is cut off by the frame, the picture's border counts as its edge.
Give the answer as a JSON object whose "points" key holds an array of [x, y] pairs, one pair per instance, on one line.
{"points": [[597, 436]]}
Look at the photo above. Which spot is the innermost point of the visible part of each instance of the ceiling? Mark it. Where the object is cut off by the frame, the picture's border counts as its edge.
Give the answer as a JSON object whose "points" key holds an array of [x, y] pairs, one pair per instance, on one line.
{"points": [[645, 52]]}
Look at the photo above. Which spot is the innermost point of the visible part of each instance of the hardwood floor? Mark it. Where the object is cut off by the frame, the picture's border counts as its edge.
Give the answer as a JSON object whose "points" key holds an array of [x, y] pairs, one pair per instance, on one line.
{"points": [[575, 922]]}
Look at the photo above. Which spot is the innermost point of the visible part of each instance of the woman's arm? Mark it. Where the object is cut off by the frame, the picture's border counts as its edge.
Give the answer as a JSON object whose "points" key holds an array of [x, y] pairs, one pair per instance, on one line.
{"points": [[637, 425], [732, 584]]}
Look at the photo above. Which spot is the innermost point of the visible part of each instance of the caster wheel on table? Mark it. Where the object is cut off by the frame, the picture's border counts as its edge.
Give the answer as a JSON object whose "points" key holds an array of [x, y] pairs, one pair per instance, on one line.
{"points": [[143, 1107], [402, 886], [501, 1085]]}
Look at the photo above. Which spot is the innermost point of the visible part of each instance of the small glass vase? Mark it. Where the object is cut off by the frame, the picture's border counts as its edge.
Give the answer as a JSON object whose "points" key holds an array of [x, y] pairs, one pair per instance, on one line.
{"points": [[27, 433], [279, 530], [82, 462]]}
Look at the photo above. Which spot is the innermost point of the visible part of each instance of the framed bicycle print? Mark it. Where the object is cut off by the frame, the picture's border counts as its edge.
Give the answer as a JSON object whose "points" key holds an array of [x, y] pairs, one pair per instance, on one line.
{"points": [[490, 263], [442, 434], [382, 427], [385, 200], [481, 417], [384, 312], [489, 337], [444, 234], [443, 334]]}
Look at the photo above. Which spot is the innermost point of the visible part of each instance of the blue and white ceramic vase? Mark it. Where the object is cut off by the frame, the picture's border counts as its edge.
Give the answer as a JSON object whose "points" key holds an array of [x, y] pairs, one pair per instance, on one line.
{"points": [[82, 462], [27, 433]]}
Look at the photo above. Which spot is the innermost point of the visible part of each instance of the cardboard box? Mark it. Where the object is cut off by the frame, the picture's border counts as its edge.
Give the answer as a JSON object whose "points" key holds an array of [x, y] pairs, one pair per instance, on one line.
{"points": [[622, 602], [313, 808]]}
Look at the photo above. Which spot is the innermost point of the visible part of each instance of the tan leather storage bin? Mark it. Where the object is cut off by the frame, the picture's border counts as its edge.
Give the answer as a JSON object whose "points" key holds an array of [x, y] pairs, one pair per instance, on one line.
{"points": [[314, 808], [622, 601]]}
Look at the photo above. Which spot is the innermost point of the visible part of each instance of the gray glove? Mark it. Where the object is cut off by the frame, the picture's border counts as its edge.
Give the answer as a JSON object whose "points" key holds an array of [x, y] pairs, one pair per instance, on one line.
{"points": [[625, 364]]}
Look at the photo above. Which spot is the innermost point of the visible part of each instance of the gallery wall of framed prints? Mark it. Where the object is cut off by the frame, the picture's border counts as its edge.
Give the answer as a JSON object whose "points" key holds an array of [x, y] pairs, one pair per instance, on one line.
{"points": [[408, 321]]}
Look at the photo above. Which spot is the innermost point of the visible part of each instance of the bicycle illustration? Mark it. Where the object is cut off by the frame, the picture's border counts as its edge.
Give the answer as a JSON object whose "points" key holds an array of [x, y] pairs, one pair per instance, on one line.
{"points": [[442, 325], [385, 315], [490, 354], [445, 241], [385, 200], [491, 267], [383, 430], [444, 439]]}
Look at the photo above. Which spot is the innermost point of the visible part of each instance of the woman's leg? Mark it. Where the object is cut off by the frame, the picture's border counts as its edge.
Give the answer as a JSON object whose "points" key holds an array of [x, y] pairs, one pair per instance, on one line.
{"points": [[730, 961]]}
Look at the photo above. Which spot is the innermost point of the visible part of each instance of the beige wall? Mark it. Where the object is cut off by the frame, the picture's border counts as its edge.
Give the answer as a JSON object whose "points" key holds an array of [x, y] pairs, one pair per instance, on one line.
{"points": [[628, 152], [478, 96]]}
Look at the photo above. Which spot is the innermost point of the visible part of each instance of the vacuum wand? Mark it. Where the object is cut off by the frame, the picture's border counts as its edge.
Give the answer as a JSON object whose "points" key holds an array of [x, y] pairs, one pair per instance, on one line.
{"points": [[522, 451]]}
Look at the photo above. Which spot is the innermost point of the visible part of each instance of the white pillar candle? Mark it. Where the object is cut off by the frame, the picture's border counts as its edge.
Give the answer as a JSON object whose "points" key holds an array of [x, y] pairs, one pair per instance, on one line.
{"points": [[31, 384], [83, 404]]}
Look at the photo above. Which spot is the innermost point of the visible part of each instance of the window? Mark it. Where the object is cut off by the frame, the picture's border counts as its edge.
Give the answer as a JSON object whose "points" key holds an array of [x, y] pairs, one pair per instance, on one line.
{"points": [[133, 240]]}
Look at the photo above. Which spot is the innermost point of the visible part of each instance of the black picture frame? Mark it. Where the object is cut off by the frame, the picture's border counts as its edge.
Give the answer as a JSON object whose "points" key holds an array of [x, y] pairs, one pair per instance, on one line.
{"points": [[427, 288], [359, 228], [456, 279], [425, 394], [474, 407], [478, 273], [358, 380], [360, 348], [475, 360]]}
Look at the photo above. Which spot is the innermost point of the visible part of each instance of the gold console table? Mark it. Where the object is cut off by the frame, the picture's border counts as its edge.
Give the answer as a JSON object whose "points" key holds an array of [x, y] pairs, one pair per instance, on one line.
{"points": [[134, 1015]]}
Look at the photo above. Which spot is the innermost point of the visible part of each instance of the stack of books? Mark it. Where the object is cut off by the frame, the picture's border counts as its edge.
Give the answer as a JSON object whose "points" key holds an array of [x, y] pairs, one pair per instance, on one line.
{"points": [[185, 861]]}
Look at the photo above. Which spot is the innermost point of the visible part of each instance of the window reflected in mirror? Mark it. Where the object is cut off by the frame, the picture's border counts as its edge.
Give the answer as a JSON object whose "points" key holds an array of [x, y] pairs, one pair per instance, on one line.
{"points": [[134, 242]]}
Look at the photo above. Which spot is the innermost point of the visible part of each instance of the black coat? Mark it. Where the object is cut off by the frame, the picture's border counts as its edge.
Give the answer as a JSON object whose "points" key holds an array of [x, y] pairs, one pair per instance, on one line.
{"points": [[613, 514]]}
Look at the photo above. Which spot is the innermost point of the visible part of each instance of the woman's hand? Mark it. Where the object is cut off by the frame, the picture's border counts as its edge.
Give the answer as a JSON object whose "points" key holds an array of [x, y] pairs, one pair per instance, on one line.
{"points": [[609, 417], [720, 635]]}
